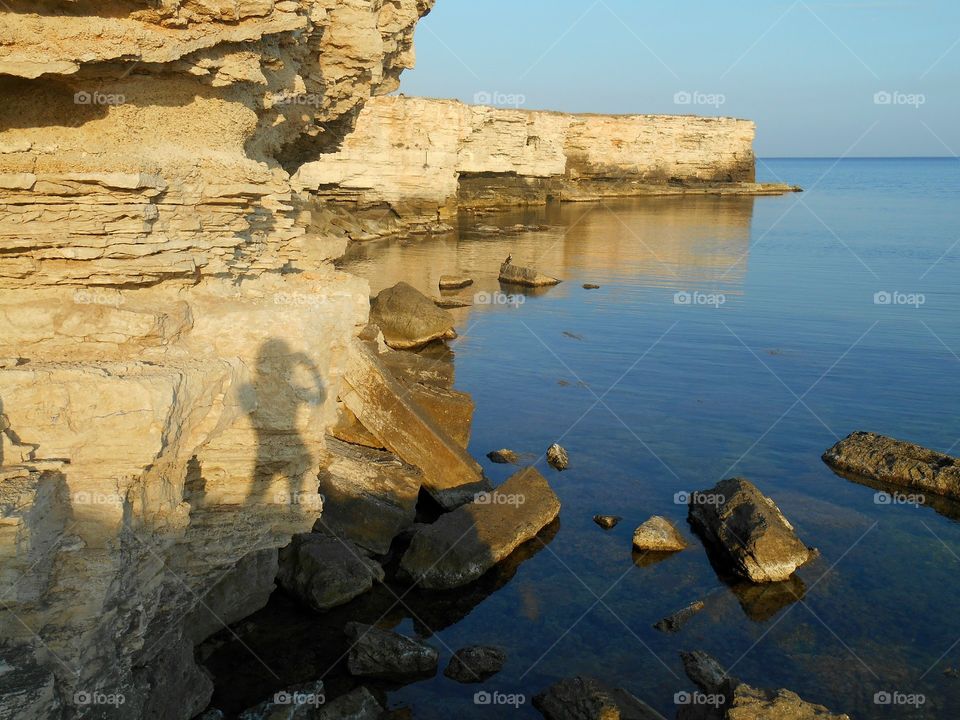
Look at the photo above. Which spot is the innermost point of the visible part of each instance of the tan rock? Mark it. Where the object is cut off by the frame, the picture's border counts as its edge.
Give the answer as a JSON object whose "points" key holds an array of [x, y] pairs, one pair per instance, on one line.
{"points": [[409, 319], [519, 275], [658, 535]]}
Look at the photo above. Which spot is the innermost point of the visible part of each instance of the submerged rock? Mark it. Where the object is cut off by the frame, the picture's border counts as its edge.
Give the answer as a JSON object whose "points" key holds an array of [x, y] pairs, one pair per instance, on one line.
{"points": [[301, 702], [518, 275], [607, 522], [462, 545], [673, 623], [557, 457], [359, 704], [503, 457], [388, 655], [747, 531], [897, 462], [408, 318], [455, 282], [658, 535], [325, 571], [584, 698], [475, 663], [591, 286]]}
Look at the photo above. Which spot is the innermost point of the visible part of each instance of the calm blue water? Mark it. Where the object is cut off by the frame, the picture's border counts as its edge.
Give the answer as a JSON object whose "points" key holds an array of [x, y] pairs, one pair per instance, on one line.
{"points": [[652, 397]]}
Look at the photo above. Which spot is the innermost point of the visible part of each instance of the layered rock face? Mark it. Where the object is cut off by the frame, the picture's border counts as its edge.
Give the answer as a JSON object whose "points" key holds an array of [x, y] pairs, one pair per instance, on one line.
{"points": [[417, 160], [171, 325]]}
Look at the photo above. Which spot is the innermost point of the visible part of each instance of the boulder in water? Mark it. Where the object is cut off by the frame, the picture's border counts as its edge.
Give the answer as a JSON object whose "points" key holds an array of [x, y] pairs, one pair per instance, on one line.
{"points": [[409, 319]]}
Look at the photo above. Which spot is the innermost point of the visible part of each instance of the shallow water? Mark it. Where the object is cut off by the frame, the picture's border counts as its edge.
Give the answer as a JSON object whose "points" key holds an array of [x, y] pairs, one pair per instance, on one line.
{"points": [[653, 396]]}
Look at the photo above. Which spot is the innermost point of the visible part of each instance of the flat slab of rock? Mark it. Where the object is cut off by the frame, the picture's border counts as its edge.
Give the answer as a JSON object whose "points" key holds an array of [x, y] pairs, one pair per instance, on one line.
{"points": [[519, 275], [386, 655], [324, 571], [658, 535], [359, 704], [673, 623], [450, 409], [475, 663], [455, 281], [748, 531], [557, 457], [386, 409], [408, 318], [584, 698], [462, 545], [295, 703], [897, 462]]}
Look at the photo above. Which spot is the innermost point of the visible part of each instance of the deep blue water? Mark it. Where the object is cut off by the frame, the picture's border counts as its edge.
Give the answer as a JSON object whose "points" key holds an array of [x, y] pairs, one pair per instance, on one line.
{"points": [[652, 397]]}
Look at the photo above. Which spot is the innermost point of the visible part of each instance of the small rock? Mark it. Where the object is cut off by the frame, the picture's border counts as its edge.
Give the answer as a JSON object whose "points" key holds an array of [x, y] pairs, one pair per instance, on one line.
{"points": [[388, 655], [475, 663], [557, 457], [488, 229], [295, 703], [571, 335], [451, 303], [325, 571], [503, 457], [673, 623], [658, 535], [607, 521], [454, 282], [584, 698], [517, 275], [359, 704], [409, 319], [590, 286], [748, 530]]}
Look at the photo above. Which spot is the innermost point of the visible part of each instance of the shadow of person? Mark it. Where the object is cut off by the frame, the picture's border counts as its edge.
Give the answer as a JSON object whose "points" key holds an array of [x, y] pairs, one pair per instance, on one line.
{"points": [[284, 382]]}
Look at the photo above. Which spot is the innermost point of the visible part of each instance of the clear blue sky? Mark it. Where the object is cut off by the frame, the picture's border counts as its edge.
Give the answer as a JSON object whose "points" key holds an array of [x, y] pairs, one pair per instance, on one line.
{"points": [[806, 72]]}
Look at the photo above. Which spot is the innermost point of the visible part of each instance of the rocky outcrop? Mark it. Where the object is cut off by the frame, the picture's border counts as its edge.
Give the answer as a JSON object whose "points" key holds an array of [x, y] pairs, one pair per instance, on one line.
{"points": [[414, 161], [747, 531], [162, 293], [885, 459]]}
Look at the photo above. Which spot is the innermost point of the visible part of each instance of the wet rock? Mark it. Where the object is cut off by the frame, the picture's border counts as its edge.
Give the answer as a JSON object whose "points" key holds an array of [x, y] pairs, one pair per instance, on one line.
{"points": [[451, 410], [707, 674], [503, 457], [518, 275], [385, 407], [658, 535], [388, 655], [452, 303], [590, 286], [369, 496], [455, 282], [607, 522], [896, 462], [294, 703], [747, 531], [324, 571], [462, 545], [557, 457], [475, 663], [584, 698], [359, 704], [408, 318], [673, 623]]}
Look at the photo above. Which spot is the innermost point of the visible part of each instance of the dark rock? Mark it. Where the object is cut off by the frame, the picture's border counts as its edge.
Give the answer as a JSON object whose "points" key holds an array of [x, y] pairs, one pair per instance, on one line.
{"points": [[748, 531], [296, 703], [557, 457], [658, 535], [590, 286], [673, 623], [896, 462], [517, 275], [408, 318], [475, 663], [387, 655], [462, 545], [583, 698], [607, 521], [359, 704], [325, 571], [503, 457]]}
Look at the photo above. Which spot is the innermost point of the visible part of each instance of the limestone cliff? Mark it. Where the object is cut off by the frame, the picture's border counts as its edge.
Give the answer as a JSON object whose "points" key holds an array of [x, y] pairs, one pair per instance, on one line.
{"points": [[170, 325]]}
